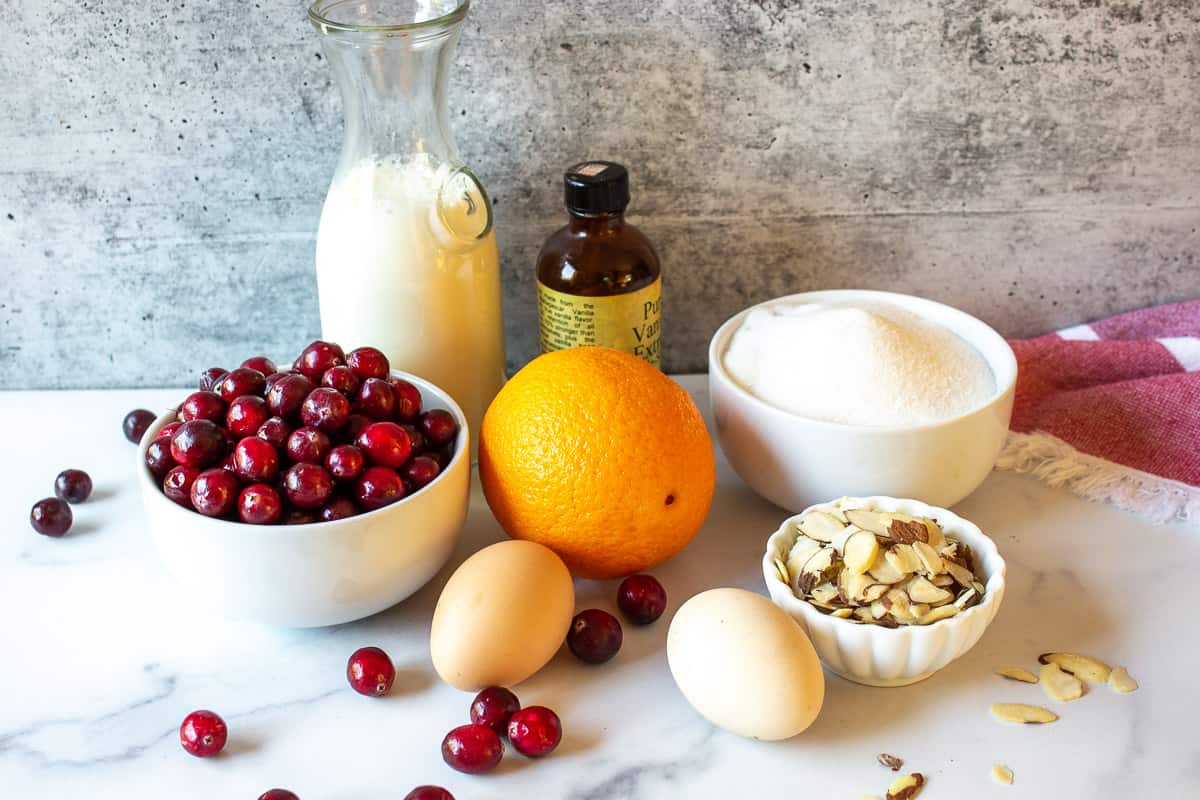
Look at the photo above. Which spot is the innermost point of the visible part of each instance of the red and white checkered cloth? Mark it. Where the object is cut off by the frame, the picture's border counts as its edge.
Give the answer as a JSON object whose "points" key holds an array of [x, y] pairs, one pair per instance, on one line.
{"points": [[1125, 389]]}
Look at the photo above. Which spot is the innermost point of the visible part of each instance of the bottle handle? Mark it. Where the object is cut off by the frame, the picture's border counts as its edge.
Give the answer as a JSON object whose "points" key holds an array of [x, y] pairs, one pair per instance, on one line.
{"points": [[462, 211]]}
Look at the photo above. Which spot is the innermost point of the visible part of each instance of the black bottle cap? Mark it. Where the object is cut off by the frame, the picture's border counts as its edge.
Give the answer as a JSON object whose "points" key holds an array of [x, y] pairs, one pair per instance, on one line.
{"points": [[596, 187]]}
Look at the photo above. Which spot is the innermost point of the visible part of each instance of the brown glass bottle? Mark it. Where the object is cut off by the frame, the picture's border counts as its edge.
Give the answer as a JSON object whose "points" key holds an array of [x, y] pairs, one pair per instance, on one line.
{"points": [[599, 281]]}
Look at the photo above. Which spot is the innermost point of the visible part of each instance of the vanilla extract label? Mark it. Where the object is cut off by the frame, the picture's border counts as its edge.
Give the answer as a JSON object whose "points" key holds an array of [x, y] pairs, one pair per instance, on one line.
{"points": [[631, 322]]}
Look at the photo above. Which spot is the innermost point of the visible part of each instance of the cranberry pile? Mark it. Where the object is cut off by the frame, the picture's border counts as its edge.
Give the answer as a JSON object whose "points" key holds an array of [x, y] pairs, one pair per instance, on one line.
{"points": [[331, 437]]}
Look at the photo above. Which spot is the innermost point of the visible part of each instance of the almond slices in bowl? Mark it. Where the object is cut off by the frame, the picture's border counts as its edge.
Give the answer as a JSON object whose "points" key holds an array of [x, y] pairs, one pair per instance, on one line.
{"points": [[879, 567]]}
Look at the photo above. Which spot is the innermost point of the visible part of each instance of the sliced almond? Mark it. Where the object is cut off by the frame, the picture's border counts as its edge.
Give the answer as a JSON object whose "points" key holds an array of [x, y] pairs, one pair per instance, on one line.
{"points": [[931, 562], [826, 594], [968, 598], [1017, 674], [907, 531], [874, 521], [1059, 685], [1083, 667], [937, 614], [903, 559], [816, 570], [801, 551], [875, 591], [1020, 712], [883, 571], [962, 576], [820, 526], [919, 609], [894, 763], [906, 787], [920, 590], [1121, 681], [781, 571], [852, 586], [897, 603], [1002, 775], [864, 613], [937, 538], [879, 610], [942, 580], [839, 541], [841, 613], [977, 586], [859, 551]]}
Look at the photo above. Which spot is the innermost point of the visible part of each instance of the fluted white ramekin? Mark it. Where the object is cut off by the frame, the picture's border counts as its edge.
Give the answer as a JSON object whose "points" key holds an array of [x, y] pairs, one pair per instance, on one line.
{"points": [[879, 656]]}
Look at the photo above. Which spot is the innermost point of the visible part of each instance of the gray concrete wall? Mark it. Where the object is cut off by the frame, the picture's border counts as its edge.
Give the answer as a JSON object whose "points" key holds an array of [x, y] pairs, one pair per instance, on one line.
{"points": [[1035, 162]]}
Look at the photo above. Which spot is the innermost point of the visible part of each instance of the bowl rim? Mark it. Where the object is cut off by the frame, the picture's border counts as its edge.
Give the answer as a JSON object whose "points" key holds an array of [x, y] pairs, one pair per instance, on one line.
{"points": [[461, 450], [1007, 360], [950, 522]]}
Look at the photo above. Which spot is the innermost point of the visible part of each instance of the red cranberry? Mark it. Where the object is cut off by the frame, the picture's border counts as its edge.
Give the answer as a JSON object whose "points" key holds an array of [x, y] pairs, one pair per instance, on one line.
{"points": [[260, 504], [158, 458], [215, 492], [534, 731], [51, 517], [641, 599], [246, 415], [595, 636], [408, 399], [429, 793], [211, 377], [318, 357], [326, 409], [472, 749], [367, 362], [493, 706], [378, 487], [376, 399], [203, 405], [344, 462], [203, 733], [275, 431], [260, 363], [370, 671], [198, 443], [415, 435], [255, 460], [274, 376], [177, 486], [298, 516], [442, 455], [73, 485], [307, 445], [439, 427], [135, 424], [385, 444], [308, 486], [287, 396], [341, 378], [419, 472], [228, 463], [242, 381], [168, 430], [354, 426], [278, 794], [339, 508]]}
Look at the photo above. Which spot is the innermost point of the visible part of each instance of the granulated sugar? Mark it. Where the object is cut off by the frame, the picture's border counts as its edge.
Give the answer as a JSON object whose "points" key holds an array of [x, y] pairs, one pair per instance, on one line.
{"points": [[870, 365]]}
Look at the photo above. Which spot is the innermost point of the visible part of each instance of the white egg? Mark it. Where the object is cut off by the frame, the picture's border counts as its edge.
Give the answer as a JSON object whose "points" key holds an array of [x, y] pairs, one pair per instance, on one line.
{"points": [[745, 665]]}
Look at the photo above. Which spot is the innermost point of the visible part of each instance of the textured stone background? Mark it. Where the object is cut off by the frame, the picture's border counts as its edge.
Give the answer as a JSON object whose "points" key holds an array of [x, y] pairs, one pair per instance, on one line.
{"points": [[1035, 162]]}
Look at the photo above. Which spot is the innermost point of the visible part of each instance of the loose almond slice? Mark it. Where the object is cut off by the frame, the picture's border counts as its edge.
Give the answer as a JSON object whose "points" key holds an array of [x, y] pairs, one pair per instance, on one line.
{"points": [[1059, 685], [906, 787], [1082, 667], [859, 551], [1017, 674], [922, 591], [1020, 712], [820, 526], [1121, 681], [1002, 775], [931, 562], [894, 763]]}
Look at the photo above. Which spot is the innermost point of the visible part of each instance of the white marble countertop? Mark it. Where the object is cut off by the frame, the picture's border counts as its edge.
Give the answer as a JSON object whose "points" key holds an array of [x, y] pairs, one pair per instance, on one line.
{"points": [[102, 658]]}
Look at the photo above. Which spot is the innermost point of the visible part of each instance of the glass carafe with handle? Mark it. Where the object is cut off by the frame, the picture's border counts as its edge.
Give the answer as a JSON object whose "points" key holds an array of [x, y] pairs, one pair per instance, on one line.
{"points": [[406, 256]]}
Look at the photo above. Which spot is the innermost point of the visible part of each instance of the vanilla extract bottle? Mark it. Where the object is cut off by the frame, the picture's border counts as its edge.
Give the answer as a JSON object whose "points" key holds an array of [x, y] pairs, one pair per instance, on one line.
{"points": [[598, 277]]}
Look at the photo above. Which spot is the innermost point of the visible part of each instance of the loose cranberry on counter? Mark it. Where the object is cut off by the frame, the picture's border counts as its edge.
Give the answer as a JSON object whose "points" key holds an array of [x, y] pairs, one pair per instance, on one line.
{"points": [[255, 460], [276, 432], [378, 487], [339, 508], [367, 362], [158, 458], [203, 733], [534, 731], [595, 636], [246, 415], [429, 793], [215, 492], [168, 430], [307, 445], [408, 399], [385, 444], [439, 427], [297, 516], [211, 377], [51, 517], [419, 472], [354, 426], [341, 378], [73, 485], [135, 424], [287, 396], [641, 599], [345, 462], [370, 671], [325, 409], [278, 794], [376, 399], [308, 486], [261, 363], [318, 357], [472, 749], [493, 706], [242, 381], [203, 405], [198, 443], [177, 485], [260, 504]]}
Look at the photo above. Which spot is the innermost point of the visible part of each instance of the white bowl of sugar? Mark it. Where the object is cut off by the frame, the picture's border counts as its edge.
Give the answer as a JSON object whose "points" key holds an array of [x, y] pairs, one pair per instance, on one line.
{"points": [[823, 394]]}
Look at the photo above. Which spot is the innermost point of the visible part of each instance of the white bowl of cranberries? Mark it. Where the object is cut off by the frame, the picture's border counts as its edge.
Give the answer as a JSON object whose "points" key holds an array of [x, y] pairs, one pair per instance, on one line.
{"points": [[310, 494]]}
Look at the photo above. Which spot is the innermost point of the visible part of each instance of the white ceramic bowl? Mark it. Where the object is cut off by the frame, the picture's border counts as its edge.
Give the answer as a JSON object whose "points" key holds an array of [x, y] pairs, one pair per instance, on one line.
{"points": [[873, 654], [794, 461], [321, 573]]}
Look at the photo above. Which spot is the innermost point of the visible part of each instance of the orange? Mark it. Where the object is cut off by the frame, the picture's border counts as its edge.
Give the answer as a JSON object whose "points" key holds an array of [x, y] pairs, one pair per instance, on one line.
{"points": [[600, 457]]}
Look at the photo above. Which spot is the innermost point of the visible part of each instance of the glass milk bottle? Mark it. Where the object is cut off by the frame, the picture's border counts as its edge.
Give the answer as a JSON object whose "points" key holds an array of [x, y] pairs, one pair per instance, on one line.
{"points": [[406, 256]]}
